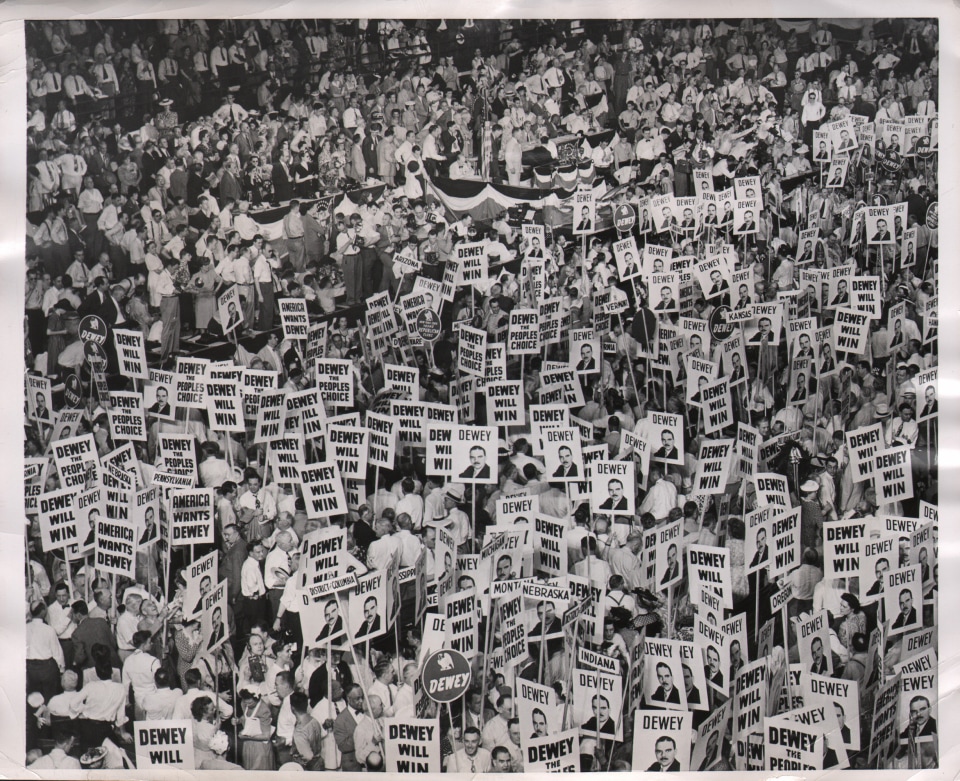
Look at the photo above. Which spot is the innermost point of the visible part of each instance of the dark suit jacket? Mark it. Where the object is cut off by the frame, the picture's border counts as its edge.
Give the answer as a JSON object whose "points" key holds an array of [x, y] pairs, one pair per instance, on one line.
{"points": [[157, 409], [658, 696], [585, 225], [911, 619], [671, 304], [673, 768], [216, 637], [483, 474], [760, 555], [327, 632], [673, 454], [363, 631], [840, 298], [572, 472], [747, 227], [282, 185], [819, 669], [929, 409], [621, 506], [587, 366], [881, 236], [671, 574], [607, 728]]}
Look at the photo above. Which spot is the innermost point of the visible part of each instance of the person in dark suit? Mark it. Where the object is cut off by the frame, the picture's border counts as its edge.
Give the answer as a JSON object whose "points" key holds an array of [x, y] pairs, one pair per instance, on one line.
{"points": [[930, 402], [601, 717], [669, 221], [667, 300], [587, 362], [883, 233], [673, 566], [737, 373], [712, 752], [217, 631], [921, 724], [344, 727], [586, 224], [666, 691], [763, 552], [616, 502], [629, 266], [567, 468], [371, 620], [827, 363], [41, 408], [479, 469], [101, 303], [843, 295], [713, 671], [908, 613], [549, 627], [206, 586], [764, 328], [819, 666], [726, 219], [149, 526], [749, 224], [282, 182], [800, 391], [666, 751], [836, 177], [845, 733], [161, 406], [807, 253], [879, 569], [692, 692], [646, 223], [667, 450], [719, 287], [233, 317], [333, 626], [804, 348], [745, 298]]}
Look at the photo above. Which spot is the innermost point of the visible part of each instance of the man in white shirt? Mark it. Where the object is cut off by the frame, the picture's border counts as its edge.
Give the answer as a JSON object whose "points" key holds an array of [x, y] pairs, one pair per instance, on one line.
{"points": [[252, 603], [276, 569], [411, 503], [385, 549], [59, 757], [160, 703], [45, 659], [61, 619], [662, 496]]}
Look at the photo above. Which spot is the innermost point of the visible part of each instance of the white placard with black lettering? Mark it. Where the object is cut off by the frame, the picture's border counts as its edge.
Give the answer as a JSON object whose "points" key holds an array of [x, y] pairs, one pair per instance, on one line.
{"points": [[164, 743], [474, 454], [661, 741]]}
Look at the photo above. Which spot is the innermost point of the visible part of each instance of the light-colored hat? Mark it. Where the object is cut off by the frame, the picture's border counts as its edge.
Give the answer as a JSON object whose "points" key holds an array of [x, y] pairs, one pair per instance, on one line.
{"points": [[454, 491], [809, 487]]}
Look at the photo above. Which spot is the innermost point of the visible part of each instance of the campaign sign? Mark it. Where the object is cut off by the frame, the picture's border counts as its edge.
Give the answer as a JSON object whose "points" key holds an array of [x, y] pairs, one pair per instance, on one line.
{"points": [[445, 675], [164, 743]]}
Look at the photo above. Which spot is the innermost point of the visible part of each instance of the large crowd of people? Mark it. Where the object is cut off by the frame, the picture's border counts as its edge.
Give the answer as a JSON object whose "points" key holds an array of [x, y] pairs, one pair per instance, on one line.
{"points": [[711, 249]]}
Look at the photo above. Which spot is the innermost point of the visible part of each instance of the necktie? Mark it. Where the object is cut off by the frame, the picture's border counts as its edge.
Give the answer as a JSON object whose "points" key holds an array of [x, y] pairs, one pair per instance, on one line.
{"points": [[73, 83], [56, 82]]}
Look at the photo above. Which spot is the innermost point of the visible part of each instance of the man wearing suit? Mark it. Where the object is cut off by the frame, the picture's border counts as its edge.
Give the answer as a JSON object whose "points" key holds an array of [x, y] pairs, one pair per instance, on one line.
{"points": [[713, 750], [667, 450], [843, 296], [745, 299], [666, 691], [819, 665], [749, 225], [149, 526], [845, 733], [206, 586], [807, 253], [479, 469], [762, 553], [736, 372], [217, 631], [41, 409], [689, 221], [908, 613], [233, 317], [334, 622], [763, 334], [669, 221], [882, 234], [879, 569], [587, 362], [827, 364], [720, 287], [666, 751], [601, 717], [343, 729], [101, 303], [666, 300], [586, 224], [920, 736], [371, 620], [713, 671], [567, 468], [930, 397], [616, 502], [692, 692], [161, 406], [629, 266]]}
